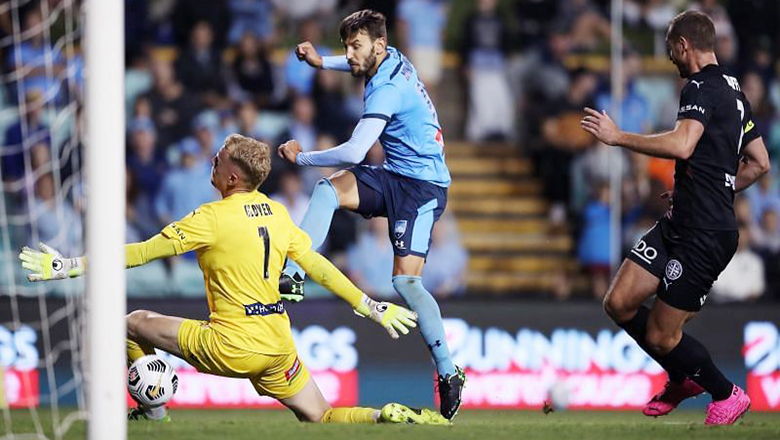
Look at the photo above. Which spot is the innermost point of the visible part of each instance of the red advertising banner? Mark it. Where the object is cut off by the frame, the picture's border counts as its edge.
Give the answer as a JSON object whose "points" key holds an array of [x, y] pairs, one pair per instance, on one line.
{"points": [[762, 360], [199, 390], [569, 367], [21, 387]]}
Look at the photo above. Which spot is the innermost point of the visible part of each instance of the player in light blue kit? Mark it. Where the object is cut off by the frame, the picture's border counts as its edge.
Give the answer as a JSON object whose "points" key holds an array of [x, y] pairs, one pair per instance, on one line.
{"points": [[410, 188]]}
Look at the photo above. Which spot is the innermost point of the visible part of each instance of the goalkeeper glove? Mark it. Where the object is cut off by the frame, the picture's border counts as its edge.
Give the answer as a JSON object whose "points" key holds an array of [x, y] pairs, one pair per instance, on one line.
{"points": [[390, 316], [49, 264]]}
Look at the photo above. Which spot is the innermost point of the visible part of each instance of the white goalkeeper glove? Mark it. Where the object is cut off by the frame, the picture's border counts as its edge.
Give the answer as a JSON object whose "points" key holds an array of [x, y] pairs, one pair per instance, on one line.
{"points": [[390, 316], [49, 264]]}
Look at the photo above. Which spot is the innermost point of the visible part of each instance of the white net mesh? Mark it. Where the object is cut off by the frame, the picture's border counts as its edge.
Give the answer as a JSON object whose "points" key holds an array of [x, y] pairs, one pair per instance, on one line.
{"points": [[41, 201]]}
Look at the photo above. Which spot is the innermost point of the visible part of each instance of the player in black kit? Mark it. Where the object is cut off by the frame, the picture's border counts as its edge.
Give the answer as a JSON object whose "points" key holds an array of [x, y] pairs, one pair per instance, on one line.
{"points": [[718, 152]]}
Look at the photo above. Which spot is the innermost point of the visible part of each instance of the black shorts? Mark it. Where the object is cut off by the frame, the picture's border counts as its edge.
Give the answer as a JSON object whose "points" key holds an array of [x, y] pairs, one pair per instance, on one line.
{"points": [[411, 206], [686, 260]]}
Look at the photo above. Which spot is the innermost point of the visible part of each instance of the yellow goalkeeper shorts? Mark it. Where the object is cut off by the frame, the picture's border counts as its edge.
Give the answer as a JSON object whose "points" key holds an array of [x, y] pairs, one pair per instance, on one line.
{"points": [[276, 375]]}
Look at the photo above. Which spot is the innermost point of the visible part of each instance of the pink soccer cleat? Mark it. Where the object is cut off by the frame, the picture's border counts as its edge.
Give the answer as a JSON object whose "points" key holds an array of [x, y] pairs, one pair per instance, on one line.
{"points": [[667, 399], [726, 412]]}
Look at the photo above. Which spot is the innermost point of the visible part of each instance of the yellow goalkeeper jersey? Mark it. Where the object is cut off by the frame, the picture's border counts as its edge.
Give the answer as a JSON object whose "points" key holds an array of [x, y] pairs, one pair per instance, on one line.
{"points": [[241, 244]]}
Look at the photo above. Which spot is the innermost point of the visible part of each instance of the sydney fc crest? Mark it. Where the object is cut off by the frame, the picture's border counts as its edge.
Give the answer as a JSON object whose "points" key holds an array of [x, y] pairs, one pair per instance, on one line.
{"points": [[400, 228]]}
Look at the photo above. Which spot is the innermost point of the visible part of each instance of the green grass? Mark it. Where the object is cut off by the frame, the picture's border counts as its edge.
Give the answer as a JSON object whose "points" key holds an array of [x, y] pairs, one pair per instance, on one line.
{"points": [[481, 425]]}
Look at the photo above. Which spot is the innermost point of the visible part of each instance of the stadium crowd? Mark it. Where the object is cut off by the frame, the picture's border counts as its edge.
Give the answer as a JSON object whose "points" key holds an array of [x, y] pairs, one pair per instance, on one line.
{"points": [[199, 70]]}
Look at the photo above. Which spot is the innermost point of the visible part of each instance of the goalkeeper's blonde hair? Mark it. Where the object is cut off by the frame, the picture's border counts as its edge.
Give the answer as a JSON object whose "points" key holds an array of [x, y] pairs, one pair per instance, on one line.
{"points": [[251, 155]]}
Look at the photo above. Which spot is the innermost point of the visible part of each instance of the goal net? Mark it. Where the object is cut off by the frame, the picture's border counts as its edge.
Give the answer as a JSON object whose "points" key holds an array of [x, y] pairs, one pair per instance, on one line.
{"points": [[44, 351]]}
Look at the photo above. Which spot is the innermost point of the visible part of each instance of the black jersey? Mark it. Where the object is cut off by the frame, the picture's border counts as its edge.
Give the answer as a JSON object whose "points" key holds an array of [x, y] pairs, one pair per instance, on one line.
{"points": [[704, 185]]}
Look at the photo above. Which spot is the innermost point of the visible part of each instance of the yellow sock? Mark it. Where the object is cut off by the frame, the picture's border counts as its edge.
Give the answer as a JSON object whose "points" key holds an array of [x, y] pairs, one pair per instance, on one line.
{"points": [[136, 350], [349, 415]]}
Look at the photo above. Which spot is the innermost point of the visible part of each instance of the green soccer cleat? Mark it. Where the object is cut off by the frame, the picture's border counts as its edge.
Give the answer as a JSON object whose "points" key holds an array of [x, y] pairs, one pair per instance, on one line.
{"points": [[397, 413], [139, 414]]}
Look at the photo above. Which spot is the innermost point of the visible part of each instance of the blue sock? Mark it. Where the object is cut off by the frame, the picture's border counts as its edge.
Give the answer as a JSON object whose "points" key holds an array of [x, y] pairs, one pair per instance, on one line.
{"points": [[324, 202], [429, 318]]}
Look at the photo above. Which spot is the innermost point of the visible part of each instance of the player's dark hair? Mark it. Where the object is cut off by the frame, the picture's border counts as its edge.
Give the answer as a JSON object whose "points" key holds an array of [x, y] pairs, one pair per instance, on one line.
{"points": [[694, 26], [372, 22]]}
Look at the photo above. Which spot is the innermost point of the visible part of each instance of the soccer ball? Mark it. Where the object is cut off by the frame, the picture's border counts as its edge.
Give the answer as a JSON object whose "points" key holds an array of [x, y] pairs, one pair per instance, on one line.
{"points": [[151, 381], [559, 395]]}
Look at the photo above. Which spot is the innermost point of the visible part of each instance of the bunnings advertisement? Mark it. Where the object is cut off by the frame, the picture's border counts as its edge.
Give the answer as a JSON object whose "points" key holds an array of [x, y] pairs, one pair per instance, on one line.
{"points": [[516, 355]]}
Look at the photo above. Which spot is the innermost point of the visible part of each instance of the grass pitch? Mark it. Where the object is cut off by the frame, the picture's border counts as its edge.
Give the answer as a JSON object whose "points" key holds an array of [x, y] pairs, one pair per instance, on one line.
{"points": [[481, 425]]}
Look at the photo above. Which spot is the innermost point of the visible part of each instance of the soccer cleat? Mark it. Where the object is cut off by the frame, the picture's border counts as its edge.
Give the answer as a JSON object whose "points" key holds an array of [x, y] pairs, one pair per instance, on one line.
{"points": [[450, 392], [291, 287], [728, 411], [139, 414], [397, 413], [667, 399]]}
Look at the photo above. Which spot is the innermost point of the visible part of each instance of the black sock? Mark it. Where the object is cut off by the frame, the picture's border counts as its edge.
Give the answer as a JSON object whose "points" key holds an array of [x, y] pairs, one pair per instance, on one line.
{"points": [[691, 357], [636, 327]]}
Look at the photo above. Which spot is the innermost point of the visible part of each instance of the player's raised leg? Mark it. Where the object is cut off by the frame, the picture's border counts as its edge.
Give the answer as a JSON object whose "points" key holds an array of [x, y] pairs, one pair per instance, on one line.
{"points": [[407, 281], [337, 191]]}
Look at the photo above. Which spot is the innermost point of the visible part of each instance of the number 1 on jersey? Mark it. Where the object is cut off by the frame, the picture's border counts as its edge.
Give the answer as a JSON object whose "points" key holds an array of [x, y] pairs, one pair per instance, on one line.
{"points": [[263, 231]]}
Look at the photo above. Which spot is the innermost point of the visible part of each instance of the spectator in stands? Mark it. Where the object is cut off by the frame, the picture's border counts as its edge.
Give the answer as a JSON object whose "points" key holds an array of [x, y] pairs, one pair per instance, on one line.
{"points": [[765, 240], [763, 196], [302, 10], [172, 107], [55, 220], [252, 72], [144, 160], [302, 127], [420, 28], [635, 110], [299, 75], [187, 14], [27, 134], [585, 23], [187, 187], [290, 195], [333, 116], [594, 244], [491, 111], [35, 61], [199, 67], [755, 91], [206, 128], [444, 275], [654, 14], [557, 137], [370, 260], [253, 17], [743, 278], [139, 210]]}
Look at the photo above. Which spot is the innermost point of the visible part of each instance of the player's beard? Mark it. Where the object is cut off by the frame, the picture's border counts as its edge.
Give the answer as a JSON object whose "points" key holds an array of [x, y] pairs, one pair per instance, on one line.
{"points": [[370, 61]]}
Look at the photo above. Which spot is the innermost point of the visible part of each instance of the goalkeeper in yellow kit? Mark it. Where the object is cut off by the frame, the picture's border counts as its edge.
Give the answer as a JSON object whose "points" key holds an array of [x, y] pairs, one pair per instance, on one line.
{"points": [[241, 243]]}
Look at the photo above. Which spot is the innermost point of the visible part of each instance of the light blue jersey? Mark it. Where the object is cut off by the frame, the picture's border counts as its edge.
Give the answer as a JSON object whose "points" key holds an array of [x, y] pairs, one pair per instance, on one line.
{"points": [[412, 139]]}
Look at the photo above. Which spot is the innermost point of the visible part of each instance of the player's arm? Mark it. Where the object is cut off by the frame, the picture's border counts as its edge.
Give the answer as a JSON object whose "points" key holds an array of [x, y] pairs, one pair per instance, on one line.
{"points": [[390, 316], [351, 152], [306, 52], [194, 231], [48, 263], [754, 164], [678, 143]]}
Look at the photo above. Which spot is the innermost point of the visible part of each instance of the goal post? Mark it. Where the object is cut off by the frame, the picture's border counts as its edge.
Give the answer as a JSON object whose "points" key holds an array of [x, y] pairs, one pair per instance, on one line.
{"points": [[105, 219]]}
